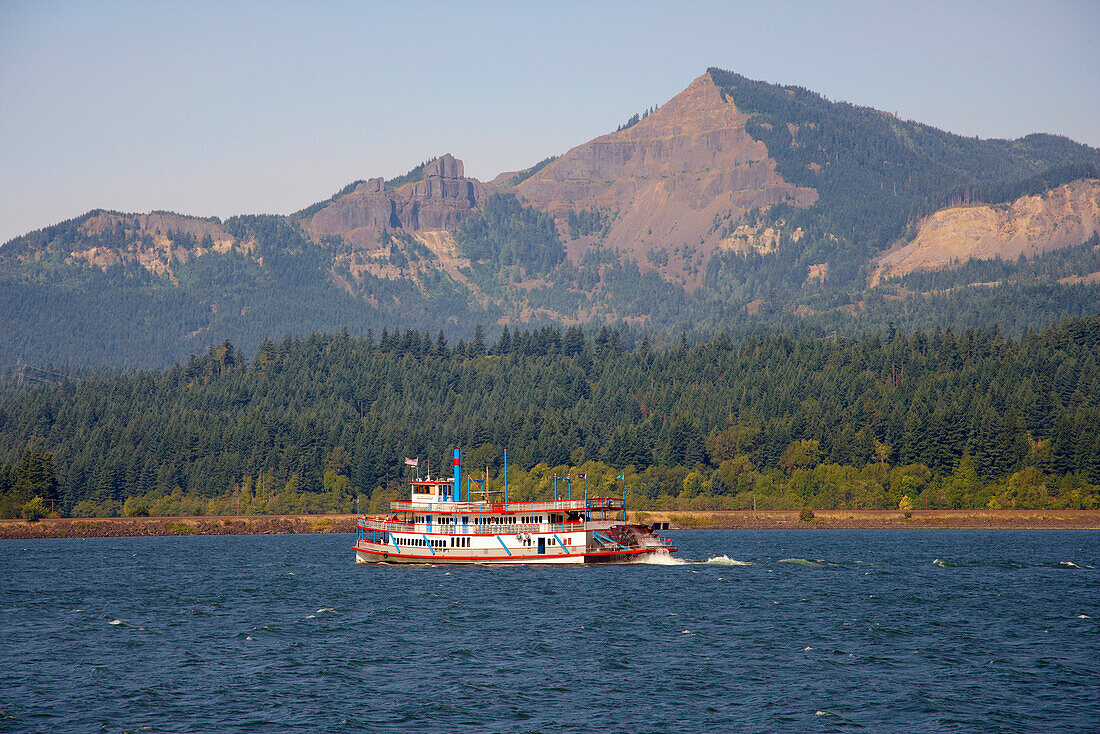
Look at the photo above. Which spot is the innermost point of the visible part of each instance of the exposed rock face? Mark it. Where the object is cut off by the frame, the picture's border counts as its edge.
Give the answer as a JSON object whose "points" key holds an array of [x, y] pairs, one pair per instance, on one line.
{"points": [[1031, 225], [154, 240], [368, 206], [668, 177], [154, 223], [441, 199]]}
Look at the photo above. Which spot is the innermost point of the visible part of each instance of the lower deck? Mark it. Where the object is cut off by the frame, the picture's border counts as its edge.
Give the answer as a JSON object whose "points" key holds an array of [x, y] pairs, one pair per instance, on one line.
{"points": [[366, 555]]}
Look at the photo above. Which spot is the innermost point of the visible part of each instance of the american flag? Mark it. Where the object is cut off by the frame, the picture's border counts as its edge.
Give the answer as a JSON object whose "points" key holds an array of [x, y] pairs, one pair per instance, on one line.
{"points": [[412, 462]]}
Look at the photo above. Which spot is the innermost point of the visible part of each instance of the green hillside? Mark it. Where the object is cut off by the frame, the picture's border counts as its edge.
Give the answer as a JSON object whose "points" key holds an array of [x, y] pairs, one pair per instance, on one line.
{"points": [[970, 419]]}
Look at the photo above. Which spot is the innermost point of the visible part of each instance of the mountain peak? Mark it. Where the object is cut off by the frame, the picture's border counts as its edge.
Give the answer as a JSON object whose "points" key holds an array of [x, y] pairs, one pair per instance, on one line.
{"points": [[668, 178]]}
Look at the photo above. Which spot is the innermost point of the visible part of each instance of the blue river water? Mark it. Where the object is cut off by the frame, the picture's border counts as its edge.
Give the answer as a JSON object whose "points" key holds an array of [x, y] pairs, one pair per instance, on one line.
{"points": [[750, 631]]}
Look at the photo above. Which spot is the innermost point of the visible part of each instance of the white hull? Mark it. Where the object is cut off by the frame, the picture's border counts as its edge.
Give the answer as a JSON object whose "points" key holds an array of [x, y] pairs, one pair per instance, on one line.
{"points": [[631, 556]]}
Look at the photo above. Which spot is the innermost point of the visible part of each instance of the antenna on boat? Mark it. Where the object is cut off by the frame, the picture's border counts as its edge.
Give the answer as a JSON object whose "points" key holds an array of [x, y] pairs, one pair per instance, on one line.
{"points": [[458, 476]]}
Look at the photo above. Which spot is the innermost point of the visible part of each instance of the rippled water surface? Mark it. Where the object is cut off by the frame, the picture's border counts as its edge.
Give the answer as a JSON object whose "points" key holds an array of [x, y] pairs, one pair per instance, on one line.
{"points": [[766, 631]]}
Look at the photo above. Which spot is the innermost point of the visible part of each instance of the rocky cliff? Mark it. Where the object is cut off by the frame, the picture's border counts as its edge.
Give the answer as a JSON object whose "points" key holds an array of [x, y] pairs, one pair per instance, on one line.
{"points": [[1029, 226], [104, 239], [441, 199]]}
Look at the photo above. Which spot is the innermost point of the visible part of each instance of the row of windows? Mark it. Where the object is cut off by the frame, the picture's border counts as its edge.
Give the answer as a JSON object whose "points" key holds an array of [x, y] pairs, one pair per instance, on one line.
{"points": [[418, 542], [528, 541], [478, 520]]}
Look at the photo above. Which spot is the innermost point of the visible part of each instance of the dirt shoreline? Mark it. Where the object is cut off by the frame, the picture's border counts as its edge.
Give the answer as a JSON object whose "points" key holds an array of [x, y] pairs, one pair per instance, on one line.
{"points": [[880, 519], [124, 527], [118, 527]]}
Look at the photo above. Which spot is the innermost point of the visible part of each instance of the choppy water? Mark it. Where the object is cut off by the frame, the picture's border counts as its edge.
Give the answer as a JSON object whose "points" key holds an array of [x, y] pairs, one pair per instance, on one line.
{"points": [[767, 631]]}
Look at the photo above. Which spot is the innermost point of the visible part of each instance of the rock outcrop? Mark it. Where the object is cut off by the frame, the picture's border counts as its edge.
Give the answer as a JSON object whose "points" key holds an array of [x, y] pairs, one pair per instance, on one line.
{"points": [[153, 240], [1062, 217], [441, 199], [664, 180]]}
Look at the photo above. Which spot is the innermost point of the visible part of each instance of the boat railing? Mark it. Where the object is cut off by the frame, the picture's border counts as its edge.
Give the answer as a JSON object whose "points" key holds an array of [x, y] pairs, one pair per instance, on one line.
{"points": [[394, 526]]}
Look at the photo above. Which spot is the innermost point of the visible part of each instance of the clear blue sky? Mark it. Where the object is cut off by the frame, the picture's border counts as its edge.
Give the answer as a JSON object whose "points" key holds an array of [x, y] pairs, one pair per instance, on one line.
{"points": [[215, 108]]}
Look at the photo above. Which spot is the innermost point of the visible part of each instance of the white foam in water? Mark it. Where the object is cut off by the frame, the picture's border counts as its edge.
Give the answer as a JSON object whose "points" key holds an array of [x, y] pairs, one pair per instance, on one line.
{"points": [[807, 648], [1069, 564], [661, 559], [116, 622], [1083, 616], [325, 609], [666, 560], [724, 560]]}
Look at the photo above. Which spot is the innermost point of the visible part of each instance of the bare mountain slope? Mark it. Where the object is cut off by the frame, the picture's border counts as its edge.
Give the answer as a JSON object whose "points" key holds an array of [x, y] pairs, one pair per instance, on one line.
{"points": [[1029, 226], [664, 180]]}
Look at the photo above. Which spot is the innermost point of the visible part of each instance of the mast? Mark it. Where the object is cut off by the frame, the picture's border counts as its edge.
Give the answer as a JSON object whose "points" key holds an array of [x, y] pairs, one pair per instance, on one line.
{"points": [[458, 476]]}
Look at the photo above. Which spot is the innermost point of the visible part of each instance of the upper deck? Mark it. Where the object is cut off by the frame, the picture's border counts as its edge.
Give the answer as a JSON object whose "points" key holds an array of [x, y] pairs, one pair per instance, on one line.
{"points": [[483, 508], [494, 518]]}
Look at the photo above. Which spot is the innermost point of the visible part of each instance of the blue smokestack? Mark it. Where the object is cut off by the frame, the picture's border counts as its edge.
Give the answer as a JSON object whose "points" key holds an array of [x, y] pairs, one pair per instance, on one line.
{"points": [[458, 477]]}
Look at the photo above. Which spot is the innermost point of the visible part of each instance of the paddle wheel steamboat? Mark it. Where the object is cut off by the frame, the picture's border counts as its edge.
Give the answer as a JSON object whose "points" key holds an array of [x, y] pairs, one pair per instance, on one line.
{"points": [[438, 524]]}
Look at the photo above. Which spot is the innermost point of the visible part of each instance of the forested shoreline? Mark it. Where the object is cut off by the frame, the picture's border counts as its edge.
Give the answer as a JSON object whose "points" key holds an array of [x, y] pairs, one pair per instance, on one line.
{"points": [[935, 420]]}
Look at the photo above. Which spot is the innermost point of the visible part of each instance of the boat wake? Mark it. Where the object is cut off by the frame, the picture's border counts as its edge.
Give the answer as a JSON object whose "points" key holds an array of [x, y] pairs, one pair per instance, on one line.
{"points": [[725, 560], [803, 562], [666, 560]]}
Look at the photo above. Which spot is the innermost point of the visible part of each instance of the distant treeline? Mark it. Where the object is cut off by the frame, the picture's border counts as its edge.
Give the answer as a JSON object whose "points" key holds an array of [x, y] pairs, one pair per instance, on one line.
{"points": [[943, 419]]}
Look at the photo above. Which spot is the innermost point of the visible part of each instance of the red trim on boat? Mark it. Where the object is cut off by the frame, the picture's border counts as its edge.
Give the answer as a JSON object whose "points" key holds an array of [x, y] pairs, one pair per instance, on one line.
{"points": [[630, 551]]}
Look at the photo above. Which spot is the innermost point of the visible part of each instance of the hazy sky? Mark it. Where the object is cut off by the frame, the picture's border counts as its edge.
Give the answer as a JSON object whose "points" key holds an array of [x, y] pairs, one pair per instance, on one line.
{"points": [[217, 108]]}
